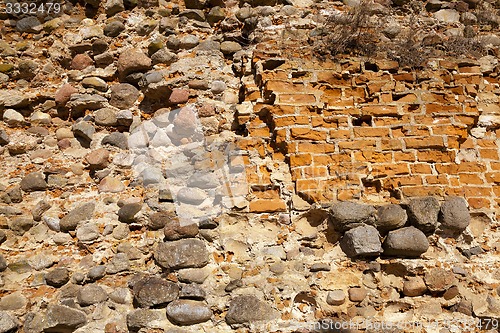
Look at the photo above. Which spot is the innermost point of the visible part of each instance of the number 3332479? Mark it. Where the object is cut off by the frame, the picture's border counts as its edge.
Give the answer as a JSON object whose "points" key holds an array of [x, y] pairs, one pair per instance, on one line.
{"points": [[32, 8]]}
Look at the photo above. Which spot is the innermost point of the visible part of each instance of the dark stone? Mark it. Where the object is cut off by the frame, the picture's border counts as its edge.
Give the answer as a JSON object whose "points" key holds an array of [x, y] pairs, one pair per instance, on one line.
{"points": [[185, 253], [249, 309], [77, 215], [91, 294], [154, 292], [454, 216], [405, 242], [57, 277], [128, 211], [362, 241], [390, 217], [34, 181], [63, 319], [188, 312], [423, 213], [346, 215], [123, 95]]}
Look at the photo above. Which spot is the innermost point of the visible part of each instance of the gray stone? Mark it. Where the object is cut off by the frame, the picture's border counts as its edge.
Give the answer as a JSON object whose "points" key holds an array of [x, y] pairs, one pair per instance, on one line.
{"points": [[13, 118], [34, 181], [84, 130], [81, 213], [346, 215], [61, 319], [119, 263], [4, 138], [215, 15], [192, 291], [114, 28], [96, 273], [361, 241], [3, 263], [40, 118], [121, 231], [8, 324], [116, 139], [20, 225], [57, 277], [29, 24], [105, 117], [121, 296], [423, 213], [81, 102], [141, 318], [193, 14], [390, 217], [113, 7], [131, 61], [189, 41], [152, 175], [153, 291], [193, 275], [203, 180], [218, 87], [229, 48], [454, 216], [95, 83], [335, 297], [174, 230], [405, 242], [164, 56], [146, 27], [91, 294], [13, 301], [188, 312], [88, 232], [447, 15], [185, 253], [249, 309], [123, 95], [128, 211], [191, 195]]}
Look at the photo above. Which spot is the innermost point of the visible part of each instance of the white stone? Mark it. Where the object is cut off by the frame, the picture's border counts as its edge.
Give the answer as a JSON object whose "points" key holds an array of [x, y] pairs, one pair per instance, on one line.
{"points": [[13, 118]]}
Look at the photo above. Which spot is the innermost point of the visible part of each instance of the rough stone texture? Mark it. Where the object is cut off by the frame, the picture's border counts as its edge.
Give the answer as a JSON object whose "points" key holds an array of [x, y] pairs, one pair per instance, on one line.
{"points": [[79, 214], [7, 322], [141, 318], [249, 309], [153, 291], [406, 242], [336, 297], [361, 241], [123, 95], [128, 211], [390, 217], [33, 182], [348, 215], [174, 230], [439, 279], [57, 277], [414, 286], [185, 253], [423, 213], [454, 215], [61, 318], [91, 294], [188, 312], [132, 61]]}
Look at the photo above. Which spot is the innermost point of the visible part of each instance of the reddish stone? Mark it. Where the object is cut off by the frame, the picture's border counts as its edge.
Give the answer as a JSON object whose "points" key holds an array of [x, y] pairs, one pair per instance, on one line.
{"points": [[98, 159], [64, 93], [81, 61], [207, 110], [131, 61], [185, 121], [179, 96]]}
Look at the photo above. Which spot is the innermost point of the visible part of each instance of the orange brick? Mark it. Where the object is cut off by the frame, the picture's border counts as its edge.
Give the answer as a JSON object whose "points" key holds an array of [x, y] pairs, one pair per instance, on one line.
{"points": [[450, 130], [300, 133], [436, 120], [435, 180], [267, 206], [470, 178], [372, 156], [424, 142], [307, 185], [291, 120], [358, 144], [446, 168], [439, 108], [440, 97], [340, 134], [421, 191], [405, 98], [476, 191], [380, 110], [404, 181], [314, 172], [358, 92], [262, 132], [490, 154], [493, 177], [390, 169], [371, 131], [324, 122], [486, 143], [436, 156], [407, 77], [415, 130], [407, 157], [281, 136], [297, 174], [297, 99], [284, 87], [334, 78], [478, 203], [300, 160], [391, 144], [331, 96], [316, 148], [471, 167], [420, 168]]}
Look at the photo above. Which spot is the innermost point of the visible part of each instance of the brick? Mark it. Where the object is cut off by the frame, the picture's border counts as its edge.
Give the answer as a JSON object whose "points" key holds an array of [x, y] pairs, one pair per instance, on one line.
{"points": [[297, 174], [450, 130], [380, 110], [415, 130], [405, 98], [357, 92], [391, 144], [291, 120], [440, 108], [490, 154], [440, 97], [433, 120], [471, 179], [486, 143], [446, 168], [262, 132], [476, 191], [324, 122], [300, 133], [331, 96], [404, 181], [284, 87], [471, 167], [390, 169], [422, 191], [297, 99], [420, 168], [371, 132], [478, 203], [307, 185], [333, 78], [385, 64], [470, 69], [493, 177], [315, 172], [340, 134], [358, 144], [329, 159], [424, 142], [267, 206], [407, 77], [436, 156], [436, 180], [372, 156], [349, 194], [406, 157], [467, 79], [267, 194], [316, 148], [300, 160]]}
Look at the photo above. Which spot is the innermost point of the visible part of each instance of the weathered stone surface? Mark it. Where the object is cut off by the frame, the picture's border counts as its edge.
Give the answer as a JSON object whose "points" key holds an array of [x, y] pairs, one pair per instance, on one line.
{"points": [[20, 225], [361, 241], [141, 318], [88, 232], [346, 215], [405, 242], [98, 159], [423, 213], [390, 217], [3, 263], [414, 286], [164, 56], [116, 139], [185, 253], [96, 273], [113, 28], [357, 294], [335, 297], [91, 294], [229, 48], [61, 318], [81, 61], [439, 279], [34, 181], [79, 214], [84, 130], [63, 95], [174, 230], [188, 312], [57, 277], [8, 323], [249, 309], [13, 118], [123, 95], [111, 185], [131, 61], [4, 138], [128, 211], [154, 292], [454, 215]]}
